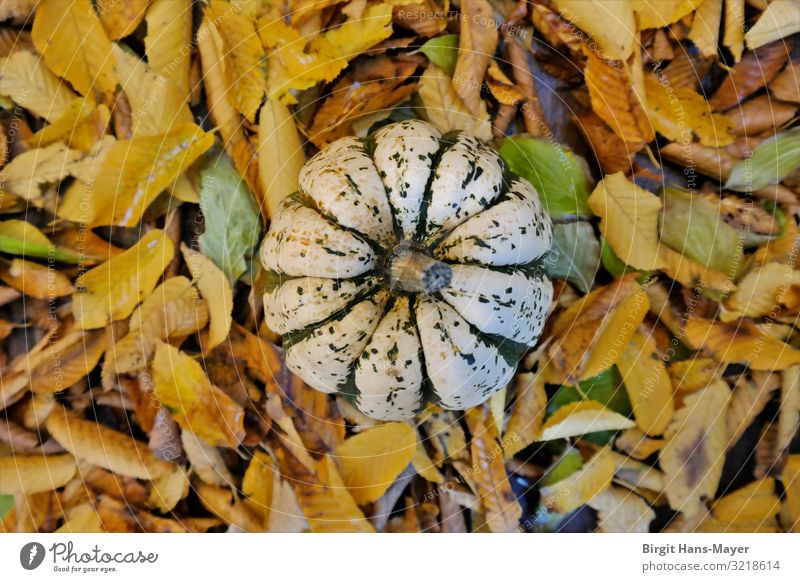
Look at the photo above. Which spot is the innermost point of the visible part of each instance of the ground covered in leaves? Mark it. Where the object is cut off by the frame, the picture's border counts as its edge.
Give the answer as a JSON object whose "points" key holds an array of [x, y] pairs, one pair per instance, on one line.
{"points": [[144, 145]]}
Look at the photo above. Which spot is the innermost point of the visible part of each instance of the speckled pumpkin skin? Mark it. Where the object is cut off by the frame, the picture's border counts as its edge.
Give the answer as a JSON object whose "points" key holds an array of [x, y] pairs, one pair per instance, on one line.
{"points": [[348, 329]]}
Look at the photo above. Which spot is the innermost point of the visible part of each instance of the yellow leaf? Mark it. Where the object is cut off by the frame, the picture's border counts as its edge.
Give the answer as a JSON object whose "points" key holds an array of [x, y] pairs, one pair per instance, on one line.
{"points": [[582, 486], [206, 461], [292, 66], [197, 405], [445, 109], [28, 474], [112, 290], [526, 421], [780, 20], [31, 85], [82, 519], [617, 97], [168, 490], [119, 18], [694, 453], [650, 14], [169, 32], [610, 23], [583, 417], [27, 172], [477, 43], [733, 35], [371, 460], [691, 273], [739, 342], [647, 384], [225, 504], [761, 291], [65, 361], [424, 466], [693, 374], [259, 482], [621, 511], [285, 515], [244, 57], [172, 312], [157, 104], [35, 280], [674, 110], [498, 504], [280, 154], [635, 443], [139, 169], [216, 290], [75, 46], [104, 447], [705, 27], [72, 127], [791, 483], [752, 504], [629, 220]]}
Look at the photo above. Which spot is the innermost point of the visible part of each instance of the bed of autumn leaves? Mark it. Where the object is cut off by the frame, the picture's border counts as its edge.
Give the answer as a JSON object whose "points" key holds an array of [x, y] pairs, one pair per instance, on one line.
{"points": [[144, 145]]}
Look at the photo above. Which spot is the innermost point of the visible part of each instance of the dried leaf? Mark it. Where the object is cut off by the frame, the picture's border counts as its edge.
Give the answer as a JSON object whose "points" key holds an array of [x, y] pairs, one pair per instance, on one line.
{"points": [[96, 444], [27, 173], [35, 280], [526, 421], [693, 455], [477, 43], [791, 483], [216, 290], [610, 23], [581, 486], [733, 33], [741, 341], [615, 99], [112, 290], [169, 32], [120, 19], [33, 86], [370, 461], [755, 70], [705, 27], [28, 474], [663, 13], [498, 503], [780, 20], [169, 489], [647, 383], [75, 46], [197, 405], [280, 154], [445, 109], [621, 511]]}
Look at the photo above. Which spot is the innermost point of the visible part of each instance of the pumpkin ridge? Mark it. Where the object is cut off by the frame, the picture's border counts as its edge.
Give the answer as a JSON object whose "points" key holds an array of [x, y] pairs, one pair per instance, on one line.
{"points": [[446, 142]]}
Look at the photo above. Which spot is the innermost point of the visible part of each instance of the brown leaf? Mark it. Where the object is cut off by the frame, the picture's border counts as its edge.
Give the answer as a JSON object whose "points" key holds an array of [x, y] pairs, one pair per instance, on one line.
{"points": [[755, 70], [786, 85], [498, 503], [760, 114], [477, 43]]}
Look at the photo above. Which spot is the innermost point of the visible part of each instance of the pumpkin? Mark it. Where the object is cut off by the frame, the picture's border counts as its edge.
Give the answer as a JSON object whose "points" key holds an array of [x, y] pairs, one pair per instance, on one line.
{"points": [[406, 270]]}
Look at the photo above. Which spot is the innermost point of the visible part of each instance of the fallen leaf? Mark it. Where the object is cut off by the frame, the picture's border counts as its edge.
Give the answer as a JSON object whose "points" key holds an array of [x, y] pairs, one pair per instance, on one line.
{"points": [[477, 43], [99, 445], [33, 86], [583, 417], [647, 383], [197, 405], [112, 290], [581, 486], [217, 292], [621, 511], [169, 489], [28, 474], [663, 13], [75, 46], [611, 24], [791, 483], [629, 220], [169, 32], [498, 504], [751, 508], [445, 109], [693, 455], [733, 32], [780, 20], [280, 154], [371, 460], [35, 280], [705, 27], [526, 421], [25, 175], [755, 70], [119, 19]]}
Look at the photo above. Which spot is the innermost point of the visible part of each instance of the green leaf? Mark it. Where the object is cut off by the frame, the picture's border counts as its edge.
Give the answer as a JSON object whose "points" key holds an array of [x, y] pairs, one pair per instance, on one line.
{"points": [[611, 262], [6, 503], [692, 226], [564, 466], [232, 221], [18, 237], [443, 52], [575, 254], [773, 160], [555, 172]]}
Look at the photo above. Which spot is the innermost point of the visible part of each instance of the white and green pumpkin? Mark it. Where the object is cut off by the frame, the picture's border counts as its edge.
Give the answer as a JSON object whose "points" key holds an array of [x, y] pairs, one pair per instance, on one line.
{"points": [[405, 271]]}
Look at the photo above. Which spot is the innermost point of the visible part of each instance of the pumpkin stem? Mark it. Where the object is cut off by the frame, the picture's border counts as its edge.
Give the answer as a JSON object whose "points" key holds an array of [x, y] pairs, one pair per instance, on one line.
{"points": [[414, 271]]}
